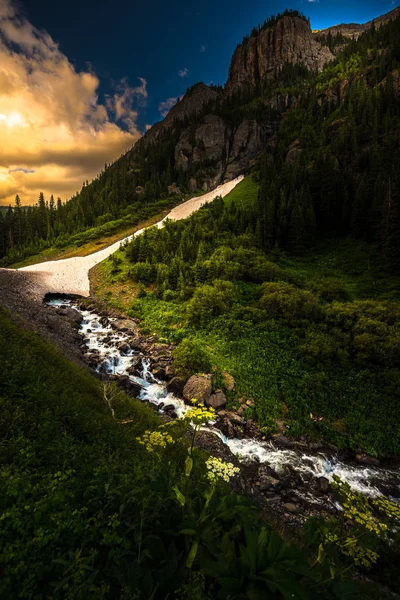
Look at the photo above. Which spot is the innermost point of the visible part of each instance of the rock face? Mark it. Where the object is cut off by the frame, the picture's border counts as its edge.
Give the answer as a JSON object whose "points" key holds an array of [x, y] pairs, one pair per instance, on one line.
{"points": [[289, 41], [198, 388]]}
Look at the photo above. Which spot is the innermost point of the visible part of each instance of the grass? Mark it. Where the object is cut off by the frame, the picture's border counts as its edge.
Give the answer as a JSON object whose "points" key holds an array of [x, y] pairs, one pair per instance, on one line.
{"points": [[355, 264], [94, 245]]}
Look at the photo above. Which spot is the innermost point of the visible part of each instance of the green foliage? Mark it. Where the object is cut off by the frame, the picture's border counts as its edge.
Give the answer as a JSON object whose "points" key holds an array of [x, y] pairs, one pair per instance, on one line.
{"points": [[365, 528], [210, 301], [288, 302], [190, 357]]}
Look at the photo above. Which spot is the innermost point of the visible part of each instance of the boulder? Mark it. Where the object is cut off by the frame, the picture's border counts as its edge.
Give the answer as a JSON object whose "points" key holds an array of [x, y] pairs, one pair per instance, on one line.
{"points": [[229, 382], [364, 459], [290, 507], [217, 400], [176, 385], [130, 386], [71, 314], [159, 373], [124, 348], [198, 387], [282, 441], [125, 326], [323, 485]]}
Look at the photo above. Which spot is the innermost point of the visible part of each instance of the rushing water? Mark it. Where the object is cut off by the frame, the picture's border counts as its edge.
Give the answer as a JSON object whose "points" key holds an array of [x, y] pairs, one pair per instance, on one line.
{"points": [[104, 344]]}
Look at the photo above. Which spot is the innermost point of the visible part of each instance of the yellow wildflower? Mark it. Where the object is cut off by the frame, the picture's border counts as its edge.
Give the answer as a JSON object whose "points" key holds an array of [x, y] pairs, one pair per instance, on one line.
{"points": [[218, 469]]}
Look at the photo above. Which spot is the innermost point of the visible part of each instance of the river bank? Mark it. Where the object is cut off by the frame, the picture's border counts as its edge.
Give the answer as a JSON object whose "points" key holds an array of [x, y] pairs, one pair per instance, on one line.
{"points": [[290, 480]]}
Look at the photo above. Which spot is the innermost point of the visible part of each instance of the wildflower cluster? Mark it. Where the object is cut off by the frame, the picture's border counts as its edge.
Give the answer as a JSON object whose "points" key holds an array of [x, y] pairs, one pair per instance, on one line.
{"points": [[357, 508], [199, 414], [363, 557], [387, 508], [218, 469], [350, 546], [154, 440]]}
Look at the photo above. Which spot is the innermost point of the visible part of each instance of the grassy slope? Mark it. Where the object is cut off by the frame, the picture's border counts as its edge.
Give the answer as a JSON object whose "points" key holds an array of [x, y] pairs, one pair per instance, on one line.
{"points": [[96, 238], [264, 357], [98, 242], [60, 450]]}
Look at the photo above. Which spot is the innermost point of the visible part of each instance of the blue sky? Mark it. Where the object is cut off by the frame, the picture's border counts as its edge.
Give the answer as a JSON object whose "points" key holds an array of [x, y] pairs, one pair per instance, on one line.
{"points": [[80, 80], [171, 44]]}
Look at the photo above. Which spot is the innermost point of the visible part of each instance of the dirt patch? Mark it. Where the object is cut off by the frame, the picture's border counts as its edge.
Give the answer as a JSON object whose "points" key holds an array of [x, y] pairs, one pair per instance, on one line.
{"points": [[22, 295]]}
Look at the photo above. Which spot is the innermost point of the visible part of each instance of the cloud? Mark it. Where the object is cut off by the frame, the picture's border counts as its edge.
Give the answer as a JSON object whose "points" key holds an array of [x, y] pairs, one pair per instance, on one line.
{"points": [[203, 48], [54, 132], [183, 72], [122, 102], [165, 107], [313, 1], [26, 171]]}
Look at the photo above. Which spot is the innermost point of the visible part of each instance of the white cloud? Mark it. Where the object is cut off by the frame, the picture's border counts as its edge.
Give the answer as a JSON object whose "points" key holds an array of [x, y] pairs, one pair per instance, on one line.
{"points": [[183, 72], [165, 107], [54, 132], [121, 103]]}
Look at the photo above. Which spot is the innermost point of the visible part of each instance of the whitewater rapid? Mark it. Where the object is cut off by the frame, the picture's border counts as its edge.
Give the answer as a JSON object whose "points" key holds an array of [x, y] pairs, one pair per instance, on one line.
{"points": [[103, 343]]}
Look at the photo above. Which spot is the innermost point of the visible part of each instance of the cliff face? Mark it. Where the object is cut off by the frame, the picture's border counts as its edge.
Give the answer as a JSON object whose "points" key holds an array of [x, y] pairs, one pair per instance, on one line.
{"points": [[289, 41], [221, 143]]}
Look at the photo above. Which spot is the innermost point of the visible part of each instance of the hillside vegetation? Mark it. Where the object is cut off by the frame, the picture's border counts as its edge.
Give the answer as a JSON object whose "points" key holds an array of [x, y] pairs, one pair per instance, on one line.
{"points": [[304, 337], [102, 505]]}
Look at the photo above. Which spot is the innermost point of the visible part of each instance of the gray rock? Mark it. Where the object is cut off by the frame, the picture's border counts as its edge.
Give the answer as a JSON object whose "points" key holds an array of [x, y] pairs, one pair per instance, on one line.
{"points": [[198, 388], [292, 508], [282, 441], [364, 459], [124, 348], [176, 385], [217, 400], [323, 485], [71, 314]]}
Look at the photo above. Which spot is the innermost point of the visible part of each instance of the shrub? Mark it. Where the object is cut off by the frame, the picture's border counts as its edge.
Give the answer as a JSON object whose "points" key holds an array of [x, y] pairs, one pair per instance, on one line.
{"points": [[291, 303], [210, 301], [330, 290], [143, 272], [190, 357]]}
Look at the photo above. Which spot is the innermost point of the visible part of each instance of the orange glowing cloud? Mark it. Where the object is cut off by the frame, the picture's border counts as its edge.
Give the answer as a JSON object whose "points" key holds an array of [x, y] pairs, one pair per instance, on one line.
{"points": [[54, 133]]}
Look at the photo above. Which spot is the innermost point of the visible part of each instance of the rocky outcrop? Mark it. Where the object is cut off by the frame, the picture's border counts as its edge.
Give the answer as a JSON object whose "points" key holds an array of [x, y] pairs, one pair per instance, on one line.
{"points": [[262, 56], [209, 142], [198, 388]]}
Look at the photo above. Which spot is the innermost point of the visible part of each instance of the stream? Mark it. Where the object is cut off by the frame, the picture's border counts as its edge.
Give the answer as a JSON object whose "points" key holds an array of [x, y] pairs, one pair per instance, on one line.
{"points": [[103, 343]]}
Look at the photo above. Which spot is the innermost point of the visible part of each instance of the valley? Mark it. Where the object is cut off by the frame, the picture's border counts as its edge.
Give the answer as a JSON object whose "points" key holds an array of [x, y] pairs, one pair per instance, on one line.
{"points": [[200, 350]]}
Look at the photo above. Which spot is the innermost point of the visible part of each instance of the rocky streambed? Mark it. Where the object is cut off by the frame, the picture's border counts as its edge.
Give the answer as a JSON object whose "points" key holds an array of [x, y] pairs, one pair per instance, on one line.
{"points": [[291, 480]]}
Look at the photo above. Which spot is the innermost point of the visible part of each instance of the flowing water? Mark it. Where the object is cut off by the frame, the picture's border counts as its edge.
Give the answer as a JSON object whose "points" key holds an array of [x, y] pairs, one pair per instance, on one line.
{"points": [[104, 343]]}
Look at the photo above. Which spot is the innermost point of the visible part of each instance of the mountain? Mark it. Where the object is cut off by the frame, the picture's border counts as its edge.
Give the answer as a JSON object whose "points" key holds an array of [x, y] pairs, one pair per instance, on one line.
{"points": [[354, 30], [267, 51], [215, 133]]}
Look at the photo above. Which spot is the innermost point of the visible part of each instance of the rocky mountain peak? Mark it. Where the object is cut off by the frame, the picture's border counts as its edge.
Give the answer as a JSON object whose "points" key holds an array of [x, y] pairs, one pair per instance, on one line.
{"points": [[354, 30], [288, 41]]}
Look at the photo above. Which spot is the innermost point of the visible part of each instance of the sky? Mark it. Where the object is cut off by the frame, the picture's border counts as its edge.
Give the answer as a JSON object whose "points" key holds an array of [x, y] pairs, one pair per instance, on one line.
{"points": [[80, 81]]}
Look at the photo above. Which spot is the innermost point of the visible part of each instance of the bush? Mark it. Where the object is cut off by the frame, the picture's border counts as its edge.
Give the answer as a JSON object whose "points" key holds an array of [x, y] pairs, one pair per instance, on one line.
{"points": [[210, 301], [190, 357], [143, 272], [330, 290], [291, 303]]}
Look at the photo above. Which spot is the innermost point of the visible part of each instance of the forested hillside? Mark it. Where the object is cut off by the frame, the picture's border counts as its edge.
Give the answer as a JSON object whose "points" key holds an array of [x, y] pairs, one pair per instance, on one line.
{"points": [[332, 136]]}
